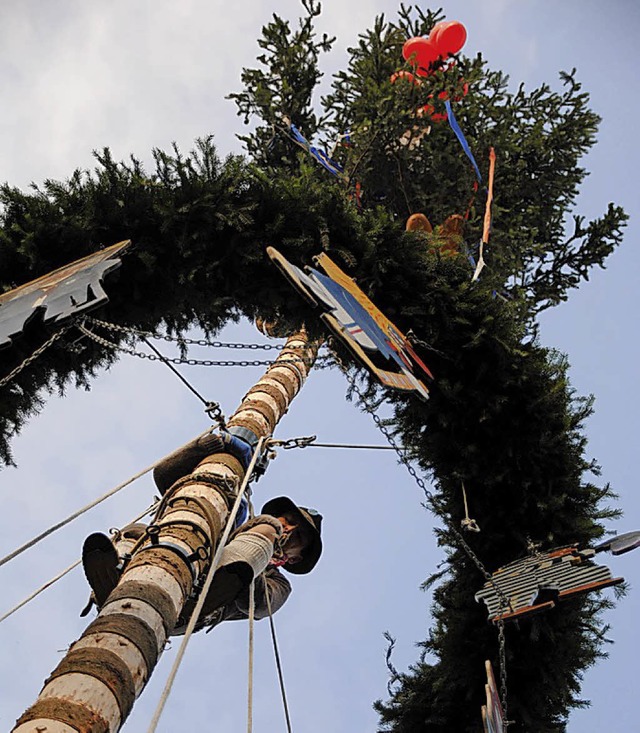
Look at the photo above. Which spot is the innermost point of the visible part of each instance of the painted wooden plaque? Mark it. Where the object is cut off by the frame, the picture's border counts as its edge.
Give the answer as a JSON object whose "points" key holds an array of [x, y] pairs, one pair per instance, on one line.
{"points": [[372, 338], [63, 293]]}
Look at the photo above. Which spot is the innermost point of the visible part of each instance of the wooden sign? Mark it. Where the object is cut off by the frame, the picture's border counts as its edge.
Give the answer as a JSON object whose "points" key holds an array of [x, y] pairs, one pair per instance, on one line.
{"points": [[63, 293], [621, 543], [371, 337], [492, 713], [536, 583]]}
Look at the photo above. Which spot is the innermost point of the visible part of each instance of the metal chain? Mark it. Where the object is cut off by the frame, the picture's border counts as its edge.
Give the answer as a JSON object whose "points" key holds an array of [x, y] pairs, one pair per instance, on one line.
{"points": [[184, 341], [303, 442], [57, 335], [179, 360], [415, 341], [432, 500], [310, 442]]}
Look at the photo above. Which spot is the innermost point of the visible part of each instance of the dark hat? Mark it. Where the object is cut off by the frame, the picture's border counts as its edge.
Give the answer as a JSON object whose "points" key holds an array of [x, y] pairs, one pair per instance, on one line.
{"points": [[309, 520]]}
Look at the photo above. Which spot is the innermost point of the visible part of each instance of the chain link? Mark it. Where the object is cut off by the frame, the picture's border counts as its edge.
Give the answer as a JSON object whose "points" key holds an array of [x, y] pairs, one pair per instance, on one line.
{"points": [[302, 442], [432, 500], [14, 372], [179, 360], [214, 411], [415, 341], [184, 341]]}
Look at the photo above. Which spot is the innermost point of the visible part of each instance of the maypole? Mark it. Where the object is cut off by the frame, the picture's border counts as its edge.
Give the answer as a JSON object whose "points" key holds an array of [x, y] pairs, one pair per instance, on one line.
{"points": [[94, 687]]}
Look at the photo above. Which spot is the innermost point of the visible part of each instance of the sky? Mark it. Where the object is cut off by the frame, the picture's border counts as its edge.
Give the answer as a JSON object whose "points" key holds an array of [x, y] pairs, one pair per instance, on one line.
{"points": [[78, 76]]}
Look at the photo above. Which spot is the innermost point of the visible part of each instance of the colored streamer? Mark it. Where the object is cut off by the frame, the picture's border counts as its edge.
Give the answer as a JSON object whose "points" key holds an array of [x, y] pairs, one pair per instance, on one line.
{"points": [[486, 230], [460, 135], [487, 211], [319, 155]]}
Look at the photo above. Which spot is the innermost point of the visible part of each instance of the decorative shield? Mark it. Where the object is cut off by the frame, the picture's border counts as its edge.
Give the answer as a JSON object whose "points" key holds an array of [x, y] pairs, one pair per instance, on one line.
{"points": [[373, 339], [536, 583], [63, 293]]}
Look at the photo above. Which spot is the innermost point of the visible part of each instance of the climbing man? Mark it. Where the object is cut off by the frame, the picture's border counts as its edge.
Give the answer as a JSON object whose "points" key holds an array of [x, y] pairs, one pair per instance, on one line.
{"points": [[283, 535]]}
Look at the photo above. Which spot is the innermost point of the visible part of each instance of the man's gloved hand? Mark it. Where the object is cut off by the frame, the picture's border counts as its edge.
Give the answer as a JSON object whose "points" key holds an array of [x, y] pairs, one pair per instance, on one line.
{"points": [[245, 557]]}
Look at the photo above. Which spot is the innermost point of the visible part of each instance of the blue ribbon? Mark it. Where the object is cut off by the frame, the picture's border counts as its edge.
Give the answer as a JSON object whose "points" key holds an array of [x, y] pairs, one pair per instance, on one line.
{"points": [[320, 155], [460, 135]]}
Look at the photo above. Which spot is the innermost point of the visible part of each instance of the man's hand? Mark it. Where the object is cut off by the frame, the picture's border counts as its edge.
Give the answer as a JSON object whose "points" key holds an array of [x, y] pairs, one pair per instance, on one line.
{"points": [[266, 530]]}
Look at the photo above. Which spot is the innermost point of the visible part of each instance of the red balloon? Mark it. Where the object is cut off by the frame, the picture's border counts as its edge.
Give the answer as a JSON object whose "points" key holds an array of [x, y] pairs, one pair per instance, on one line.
{"points": [[423, 72], [409, 47], [406, 75], [448, 37], [420, 52], [435, 32], [425, 110], [465, 90]]}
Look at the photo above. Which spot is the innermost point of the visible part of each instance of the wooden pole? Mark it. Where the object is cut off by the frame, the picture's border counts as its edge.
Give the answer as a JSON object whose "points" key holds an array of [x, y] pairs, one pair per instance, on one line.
{"points": [[94, 687]]}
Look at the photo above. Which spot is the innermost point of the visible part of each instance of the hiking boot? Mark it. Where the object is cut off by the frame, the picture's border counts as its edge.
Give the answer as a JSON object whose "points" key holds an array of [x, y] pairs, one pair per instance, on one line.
{"points": [[101, 566]]}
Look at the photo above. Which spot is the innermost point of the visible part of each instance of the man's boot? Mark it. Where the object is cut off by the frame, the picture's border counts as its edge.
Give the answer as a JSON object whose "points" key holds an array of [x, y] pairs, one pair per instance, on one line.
{"points": [[102, 561]]}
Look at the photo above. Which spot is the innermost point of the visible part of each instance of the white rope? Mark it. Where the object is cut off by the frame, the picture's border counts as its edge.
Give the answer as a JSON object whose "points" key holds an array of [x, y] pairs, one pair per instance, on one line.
{"points": [[252, 616], [277, 656], [49, 583], [205, 589], [64, 572], [82, 511]]}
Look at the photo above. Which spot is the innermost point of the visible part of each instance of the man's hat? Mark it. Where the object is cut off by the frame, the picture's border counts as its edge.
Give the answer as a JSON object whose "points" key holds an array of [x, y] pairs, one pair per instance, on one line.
{"points": [[310, 522]]}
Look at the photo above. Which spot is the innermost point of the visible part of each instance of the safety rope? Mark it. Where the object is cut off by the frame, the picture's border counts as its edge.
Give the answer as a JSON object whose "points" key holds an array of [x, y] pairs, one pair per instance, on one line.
{"points": [[276, 653], [468, 523], [80, 512], [433, 503], [42, 588], [186, 382], [252, 618], [205, 588], [14, 372], [64, 572]]}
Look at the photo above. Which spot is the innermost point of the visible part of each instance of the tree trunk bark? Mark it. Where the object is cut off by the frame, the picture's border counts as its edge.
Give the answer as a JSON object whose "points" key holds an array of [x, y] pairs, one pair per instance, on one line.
{"points": [[94, 687]]}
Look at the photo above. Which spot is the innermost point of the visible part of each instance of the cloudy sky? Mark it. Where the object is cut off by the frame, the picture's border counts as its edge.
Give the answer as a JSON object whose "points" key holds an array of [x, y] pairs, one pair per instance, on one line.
{"points": [[78, 76]]}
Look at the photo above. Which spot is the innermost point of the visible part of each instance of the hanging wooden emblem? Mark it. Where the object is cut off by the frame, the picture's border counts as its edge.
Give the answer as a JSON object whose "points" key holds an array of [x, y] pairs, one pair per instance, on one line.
{"points": [[536, 583], [492, 713], [373, 339], [65, 292], [621, 543]]}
